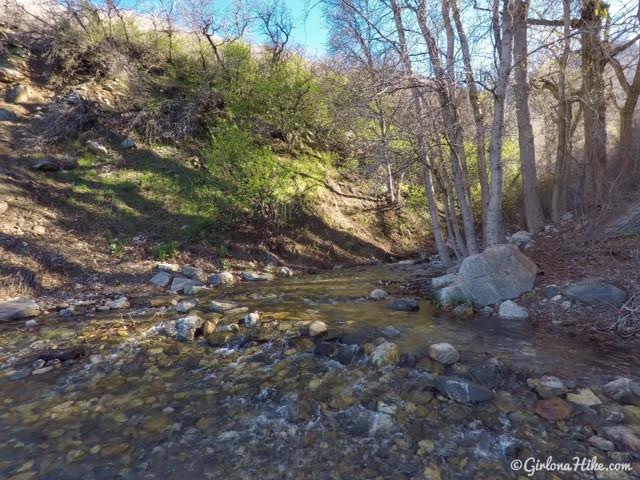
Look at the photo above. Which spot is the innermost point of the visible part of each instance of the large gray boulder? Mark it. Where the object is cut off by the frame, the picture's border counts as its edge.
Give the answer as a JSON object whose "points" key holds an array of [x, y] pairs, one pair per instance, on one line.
{"points": [[596, 292], [19, 308], [499, 273]]}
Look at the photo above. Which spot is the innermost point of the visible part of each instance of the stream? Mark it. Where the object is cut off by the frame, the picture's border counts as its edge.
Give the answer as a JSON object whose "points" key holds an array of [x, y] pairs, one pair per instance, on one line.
{"points": [[125, 400]]}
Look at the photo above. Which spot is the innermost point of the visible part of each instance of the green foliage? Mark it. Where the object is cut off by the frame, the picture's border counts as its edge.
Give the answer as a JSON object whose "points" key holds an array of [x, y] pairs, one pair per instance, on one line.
{"points": [[258, 186], [116, 248], [164, 251]]}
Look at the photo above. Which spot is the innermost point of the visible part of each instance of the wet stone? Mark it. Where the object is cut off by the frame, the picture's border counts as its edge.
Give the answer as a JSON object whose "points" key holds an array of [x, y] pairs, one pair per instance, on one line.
{"points": [[444, 353], [547, 386], [404, 305], [186, 327], [184, 306], [584, 397], [461, 390], [317, 328], [553, 409]]}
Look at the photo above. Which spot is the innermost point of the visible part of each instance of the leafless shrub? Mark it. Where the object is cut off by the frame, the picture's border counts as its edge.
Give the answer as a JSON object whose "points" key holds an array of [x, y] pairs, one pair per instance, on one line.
{"points": [[628, 321], [66, 119], [178, 118]]}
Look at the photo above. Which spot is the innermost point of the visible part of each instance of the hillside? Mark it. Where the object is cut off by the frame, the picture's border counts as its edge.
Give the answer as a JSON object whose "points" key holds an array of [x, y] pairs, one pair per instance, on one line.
{"points": [[82, 212]]}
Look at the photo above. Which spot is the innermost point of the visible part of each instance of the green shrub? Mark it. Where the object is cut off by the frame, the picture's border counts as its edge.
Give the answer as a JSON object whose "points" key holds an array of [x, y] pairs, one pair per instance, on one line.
{"points": [[164, 251]]}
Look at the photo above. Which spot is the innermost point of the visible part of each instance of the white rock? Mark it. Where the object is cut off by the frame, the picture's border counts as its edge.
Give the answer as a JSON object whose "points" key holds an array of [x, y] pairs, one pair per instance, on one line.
{"points": [[385, 354], [31, 323], [510, 310], [252, 319], [317, 328], [96, 147], [444, 353], [168, 267], [378, 294], [194, 273], [118, 303], [184, 306], [222, 278], [522, 239], [161, 279], [284, 272]]}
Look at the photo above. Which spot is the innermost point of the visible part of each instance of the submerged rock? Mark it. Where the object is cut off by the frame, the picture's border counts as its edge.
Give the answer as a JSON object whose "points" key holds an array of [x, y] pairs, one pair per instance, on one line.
{"points": [[547, 386], [510, 310], [553, 409], [624, 390], [186, 327], [385, 354], [317, 328], [221, 307], [601, 443], [584, 397], [625, 437], [404, 305], [444, 353], [19, 308], [596, 292], [499, 273], [378, 294], [463, 391], [256, 277]]}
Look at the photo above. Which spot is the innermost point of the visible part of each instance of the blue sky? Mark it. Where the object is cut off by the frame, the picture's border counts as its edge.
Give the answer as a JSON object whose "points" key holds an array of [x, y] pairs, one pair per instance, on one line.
{"points": [[310, 29]]}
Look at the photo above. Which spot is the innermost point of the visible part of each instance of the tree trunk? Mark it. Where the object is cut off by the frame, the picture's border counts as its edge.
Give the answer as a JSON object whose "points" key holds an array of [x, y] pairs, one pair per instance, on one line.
{"points": [[494, 213], [452, 126], [593, 86], [478, 115], [532, 205], [558, 192], [441, 246], [628, 159]]}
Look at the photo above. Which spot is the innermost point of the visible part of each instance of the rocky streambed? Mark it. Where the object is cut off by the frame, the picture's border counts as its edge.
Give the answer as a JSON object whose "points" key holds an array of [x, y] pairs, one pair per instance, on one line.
{"points": [[307, 377]]}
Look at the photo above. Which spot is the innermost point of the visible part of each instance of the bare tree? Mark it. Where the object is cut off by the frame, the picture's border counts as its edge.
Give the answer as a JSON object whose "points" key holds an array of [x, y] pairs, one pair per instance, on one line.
{"points": [[420, 134], [476, 108], [276, 24], [532, 206], [445, 83], [504, 43]]}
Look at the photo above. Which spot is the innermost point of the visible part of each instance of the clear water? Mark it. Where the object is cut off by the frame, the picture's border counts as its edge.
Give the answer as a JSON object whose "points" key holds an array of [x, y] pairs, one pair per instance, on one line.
{"points": [[141, 405]]}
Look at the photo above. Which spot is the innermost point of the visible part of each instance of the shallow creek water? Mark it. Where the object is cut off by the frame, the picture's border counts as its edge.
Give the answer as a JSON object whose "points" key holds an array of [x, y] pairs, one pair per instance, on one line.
{"points": [[274, 404]]}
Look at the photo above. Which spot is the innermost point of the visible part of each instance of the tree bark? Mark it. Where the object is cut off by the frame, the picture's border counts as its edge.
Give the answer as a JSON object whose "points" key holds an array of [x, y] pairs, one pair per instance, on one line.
{"points": [[452, 126], [494, 213], [558, 192], [532, 206], [593, 87], [478, 114], [436, 228], [628, 159]]}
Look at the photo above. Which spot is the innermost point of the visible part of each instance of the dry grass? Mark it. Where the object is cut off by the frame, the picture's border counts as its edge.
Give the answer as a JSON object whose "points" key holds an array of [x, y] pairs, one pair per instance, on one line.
{"points": [[12, 286]]}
